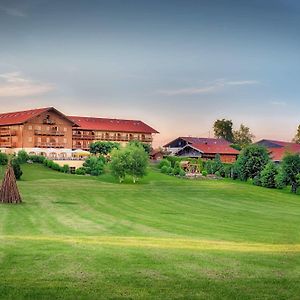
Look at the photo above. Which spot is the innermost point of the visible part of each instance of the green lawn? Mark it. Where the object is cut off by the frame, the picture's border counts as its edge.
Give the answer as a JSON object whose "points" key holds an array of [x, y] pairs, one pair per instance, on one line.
{"points": [[79, 237]]}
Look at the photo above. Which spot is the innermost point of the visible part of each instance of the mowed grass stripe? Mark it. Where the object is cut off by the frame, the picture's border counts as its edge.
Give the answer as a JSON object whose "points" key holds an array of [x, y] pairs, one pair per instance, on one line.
{"points": [[163, 243]]}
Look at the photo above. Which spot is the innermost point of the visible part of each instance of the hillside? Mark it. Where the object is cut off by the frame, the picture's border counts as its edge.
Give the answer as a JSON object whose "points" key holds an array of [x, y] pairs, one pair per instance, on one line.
{"points": [[78, 236]]}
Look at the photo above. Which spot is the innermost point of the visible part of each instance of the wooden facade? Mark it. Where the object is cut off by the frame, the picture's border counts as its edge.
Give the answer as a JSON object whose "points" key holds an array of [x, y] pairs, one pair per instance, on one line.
{"points": [[205, 148], [47, 128]]}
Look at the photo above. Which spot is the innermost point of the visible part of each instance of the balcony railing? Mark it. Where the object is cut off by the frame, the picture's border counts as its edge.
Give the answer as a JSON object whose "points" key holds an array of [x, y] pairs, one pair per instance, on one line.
{"points": [[84, 136], [7, 132], [109, 138], [49, 132], [50, 145], [7, 145]]}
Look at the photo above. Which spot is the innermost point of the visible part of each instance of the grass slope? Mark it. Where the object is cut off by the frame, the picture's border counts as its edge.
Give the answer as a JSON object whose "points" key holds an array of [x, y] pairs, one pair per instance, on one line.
{"points": [[78, 237]]}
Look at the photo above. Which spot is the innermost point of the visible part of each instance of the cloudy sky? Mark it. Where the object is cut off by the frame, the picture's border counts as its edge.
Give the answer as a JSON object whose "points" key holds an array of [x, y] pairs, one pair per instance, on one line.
{"points": [[177, 65]]}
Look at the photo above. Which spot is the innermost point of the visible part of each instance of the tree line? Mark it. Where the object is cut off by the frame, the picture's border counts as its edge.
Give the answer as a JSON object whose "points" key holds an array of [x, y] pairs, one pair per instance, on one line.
{"points": [[241, 137]]}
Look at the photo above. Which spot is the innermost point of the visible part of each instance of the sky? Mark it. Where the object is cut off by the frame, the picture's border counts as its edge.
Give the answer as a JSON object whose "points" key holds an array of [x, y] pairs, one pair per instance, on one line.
{"points": [[178, 65]]}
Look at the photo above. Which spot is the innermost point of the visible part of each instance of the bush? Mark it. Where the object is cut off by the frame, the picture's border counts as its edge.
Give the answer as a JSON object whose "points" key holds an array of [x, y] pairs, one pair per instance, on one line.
{"points": [[94, 166], [173, 160], [181, 173], [218, 174], [65, 169], [3, 159], [279, 180], [204, 173], [164, 163], [268, 175], [37, 158], [17, 168], [23, 156], [256, 180], [209, 167], [177, 168], [80, 171], [164, 169], [251, 161]]}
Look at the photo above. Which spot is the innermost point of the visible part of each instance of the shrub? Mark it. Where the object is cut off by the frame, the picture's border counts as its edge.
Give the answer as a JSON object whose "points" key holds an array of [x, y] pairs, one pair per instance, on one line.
{"points": [[290, 167], [65, 168], [279, 180], [257, 180], [173, 160], [164, 163], [164, 169], [94, 166], [218, 174], [209, 167], [23, 156], [80, 171], [3, 159], [251, 161], [268, 174], [37, 158], [204, 173], [181, 173], [17, 168], [177, 168]]}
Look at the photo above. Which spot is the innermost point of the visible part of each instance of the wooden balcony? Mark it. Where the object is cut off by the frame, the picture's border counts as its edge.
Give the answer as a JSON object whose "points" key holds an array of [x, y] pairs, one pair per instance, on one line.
{"points": [[49, 145], [78, 136], [49, 132], [110, 138], [7, 144], [7, 132]]}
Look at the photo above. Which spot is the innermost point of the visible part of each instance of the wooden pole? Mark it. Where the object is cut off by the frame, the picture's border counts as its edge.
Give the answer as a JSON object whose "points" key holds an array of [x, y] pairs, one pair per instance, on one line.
{"points": [[9, 192]]}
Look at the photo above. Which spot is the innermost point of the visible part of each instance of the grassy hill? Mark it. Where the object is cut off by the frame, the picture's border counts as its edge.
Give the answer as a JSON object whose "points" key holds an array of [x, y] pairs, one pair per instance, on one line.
{"points": [[79, 237]]}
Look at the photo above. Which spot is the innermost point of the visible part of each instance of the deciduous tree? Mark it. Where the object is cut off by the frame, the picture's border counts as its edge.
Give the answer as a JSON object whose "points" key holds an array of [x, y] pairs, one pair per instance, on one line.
{"points": [[223, 129]]}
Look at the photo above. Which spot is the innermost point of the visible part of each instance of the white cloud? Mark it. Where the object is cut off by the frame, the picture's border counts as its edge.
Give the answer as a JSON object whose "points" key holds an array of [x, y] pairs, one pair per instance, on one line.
{"points": [[209, 88], [242, 82], [15, 85], [278, 103]]}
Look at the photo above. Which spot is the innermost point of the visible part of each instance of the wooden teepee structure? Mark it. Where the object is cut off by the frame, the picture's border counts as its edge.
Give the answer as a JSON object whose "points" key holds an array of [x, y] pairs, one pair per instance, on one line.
{"points": [[9, 192]]}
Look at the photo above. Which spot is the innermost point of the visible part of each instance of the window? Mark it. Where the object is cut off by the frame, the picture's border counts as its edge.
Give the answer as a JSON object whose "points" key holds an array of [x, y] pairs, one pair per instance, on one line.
{"points": [[65, 129]]}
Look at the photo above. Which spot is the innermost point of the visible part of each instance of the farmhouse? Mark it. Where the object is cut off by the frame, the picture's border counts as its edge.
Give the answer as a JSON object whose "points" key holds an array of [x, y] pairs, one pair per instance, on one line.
{"points": [[206, 148], [49, 132], [278, 149]]}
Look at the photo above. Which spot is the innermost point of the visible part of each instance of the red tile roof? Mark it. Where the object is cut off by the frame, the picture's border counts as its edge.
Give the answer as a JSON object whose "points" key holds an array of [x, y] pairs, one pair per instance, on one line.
{"points": [[207, 141], [278, 149], [216, 149], [103, 124], [21, 117], [196, 140]]}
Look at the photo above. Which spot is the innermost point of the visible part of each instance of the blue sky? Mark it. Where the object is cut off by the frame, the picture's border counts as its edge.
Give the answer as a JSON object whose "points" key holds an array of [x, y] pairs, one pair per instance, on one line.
{"points": [[177, 65]]}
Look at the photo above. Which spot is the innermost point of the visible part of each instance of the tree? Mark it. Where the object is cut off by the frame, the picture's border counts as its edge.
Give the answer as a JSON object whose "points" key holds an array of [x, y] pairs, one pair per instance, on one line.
{"points": [[103, 148], [243, 137], [118, 163], [137, 162], [223, 129], [268, 175], [251, 161], [147, 147], [290, 167], [296, 139], [131, 160]]}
